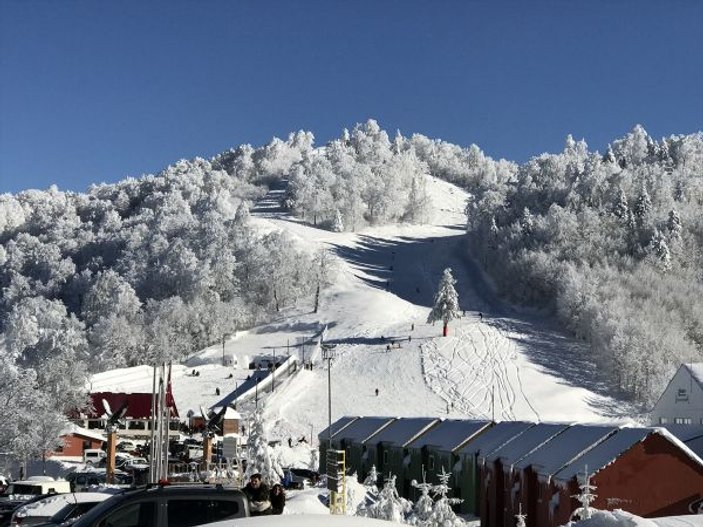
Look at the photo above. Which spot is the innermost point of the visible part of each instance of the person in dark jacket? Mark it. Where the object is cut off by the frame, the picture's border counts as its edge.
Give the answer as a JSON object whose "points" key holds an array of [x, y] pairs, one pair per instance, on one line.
{"points": [[258, 494], [277, 499]]}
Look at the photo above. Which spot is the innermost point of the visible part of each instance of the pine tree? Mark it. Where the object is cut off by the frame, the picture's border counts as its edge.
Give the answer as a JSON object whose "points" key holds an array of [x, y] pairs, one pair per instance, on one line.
{"points": [[442, 513], [673, 224], [585, 498], [643, 206], [660, 250], [422, 510], [446, 302], [621, 207]]}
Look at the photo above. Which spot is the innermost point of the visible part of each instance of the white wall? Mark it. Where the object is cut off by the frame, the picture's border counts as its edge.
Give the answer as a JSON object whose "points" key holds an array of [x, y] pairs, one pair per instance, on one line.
{"points": [[673, 404]]}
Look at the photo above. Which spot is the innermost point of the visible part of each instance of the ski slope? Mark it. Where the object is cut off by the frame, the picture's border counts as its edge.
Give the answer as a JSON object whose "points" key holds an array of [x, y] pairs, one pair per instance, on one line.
{"points": [[502, 365]]}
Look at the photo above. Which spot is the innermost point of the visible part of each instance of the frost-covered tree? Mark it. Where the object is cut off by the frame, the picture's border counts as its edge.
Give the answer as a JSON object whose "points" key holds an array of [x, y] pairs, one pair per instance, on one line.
{"points": [[260, 456], [585, 498], [446, 302], [660, 250], [323, 273], [442, 513], [337, 223], [621, 207], [643, 205], [673, 225], [422, 509], [389, 505]]}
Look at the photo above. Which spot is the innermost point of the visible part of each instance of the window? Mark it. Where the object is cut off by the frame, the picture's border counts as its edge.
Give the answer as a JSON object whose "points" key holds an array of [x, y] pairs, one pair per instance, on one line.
{"points": [[683, 420], [189, 512], [663, 420], [385, 457], [134, 515], [682, 394], [430, 463]]}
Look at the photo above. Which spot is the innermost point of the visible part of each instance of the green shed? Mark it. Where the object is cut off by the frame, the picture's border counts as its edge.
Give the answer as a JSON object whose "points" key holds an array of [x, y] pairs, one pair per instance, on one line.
{"points": [[466, 473], [352, 439], [387, 449], [435, 449]]}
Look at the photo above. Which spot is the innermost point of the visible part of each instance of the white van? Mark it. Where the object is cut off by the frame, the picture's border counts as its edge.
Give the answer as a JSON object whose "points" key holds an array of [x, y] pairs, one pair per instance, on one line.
{"points": [[35, 487], [93, 455]]}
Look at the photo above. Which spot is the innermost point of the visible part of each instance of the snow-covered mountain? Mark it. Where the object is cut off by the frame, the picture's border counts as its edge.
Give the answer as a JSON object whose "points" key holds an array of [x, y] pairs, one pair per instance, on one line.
{"points": [[496, 361]]}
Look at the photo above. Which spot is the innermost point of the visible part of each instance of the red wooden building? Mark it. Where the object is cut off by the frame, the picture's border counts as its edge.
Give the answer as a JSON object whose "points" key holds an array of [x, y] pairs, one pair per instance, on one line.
{"points": [[645, 471], [76, 440], [138, 416]]}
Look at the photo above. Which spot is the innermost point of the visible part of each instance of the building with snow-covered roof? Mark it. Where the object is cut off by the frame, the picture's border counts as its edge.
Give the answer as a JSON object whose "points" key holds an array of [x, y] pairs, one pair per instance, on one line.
{"points": [[645, 471], [75, 440], [533, 472], [682, 400], [387, 450], [137, 419], [466, 472], [437, 448], [496, 472], [323, 438], [352, 439], [690, 435]]}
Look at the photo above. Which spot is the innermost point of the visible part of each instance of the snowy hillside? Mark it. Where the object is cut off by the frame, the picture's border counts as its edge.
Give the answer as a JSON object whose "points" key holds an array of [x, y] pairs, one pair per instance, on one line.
{"points": [[387, 278]]}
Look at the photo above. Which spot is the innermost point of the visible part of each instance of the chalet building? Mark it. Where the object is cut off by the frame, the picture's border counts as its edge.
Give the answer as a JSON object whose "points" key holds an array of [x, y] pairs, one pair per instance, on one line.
{"points": [[75, 440], [682, 400], [497, 475], [437, 450], [390, 452], [467, 481], [645, 471], [137, 419], [540, 465]]}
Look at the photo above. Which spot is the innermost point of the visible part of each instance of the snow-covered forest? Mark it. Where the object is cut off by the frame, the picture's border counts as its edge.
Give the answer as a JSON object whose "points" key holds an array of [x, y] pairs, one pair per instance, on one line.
{"points": [[160, 266]]}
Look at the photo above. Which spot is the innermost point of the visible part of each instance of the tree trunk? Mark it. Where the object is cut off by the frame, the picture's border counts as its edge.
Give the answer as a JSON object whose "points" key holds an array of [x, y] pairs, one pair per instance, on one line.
{"points": [[317, 298], [445, 329]]}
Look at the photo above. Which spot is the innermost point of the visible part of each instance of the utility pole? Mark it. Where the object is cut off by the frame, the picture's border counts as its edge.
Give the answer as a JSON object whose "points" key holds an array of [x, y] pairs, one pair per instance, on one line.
{"points": [[256, 393], [273, 372]]}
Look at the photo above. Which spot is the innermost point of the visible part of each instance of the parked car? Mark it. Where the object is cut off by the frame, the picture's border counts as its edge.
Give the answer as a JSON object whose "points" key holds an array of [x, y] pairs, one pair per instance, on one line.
{"points": [[63, 506], [92, 456], [8, 506], [297, 478], [83, 480], [169, 506], [37, 486], [126, 446]]}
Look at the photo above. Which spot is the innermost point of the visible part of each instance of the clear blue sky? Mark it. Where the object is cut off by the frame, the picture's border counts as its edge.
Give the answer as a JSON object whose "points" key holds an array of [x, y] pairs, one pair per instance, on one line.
{"points": [[96, 91]]}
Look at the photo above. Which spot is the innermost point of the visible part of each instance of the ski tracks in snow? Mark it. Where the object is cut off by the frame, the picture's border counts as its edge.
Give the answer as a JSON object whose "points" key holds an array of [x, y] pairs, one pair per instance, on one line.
{"points": [[476, 373]]}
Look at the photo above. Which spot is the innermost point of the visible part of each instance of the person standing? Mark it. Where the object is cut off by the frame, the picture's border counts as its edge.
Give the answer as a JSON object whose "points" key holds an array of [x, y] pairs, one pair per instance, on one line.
{"points": [[278, 499], [259, 496]]}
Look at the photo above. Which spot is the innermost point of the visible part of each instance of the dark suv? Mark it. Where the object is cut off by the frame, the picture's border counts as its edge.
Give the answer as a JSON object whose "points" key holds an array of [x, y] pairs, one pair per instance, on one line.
{"points": [[168, 506]]}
